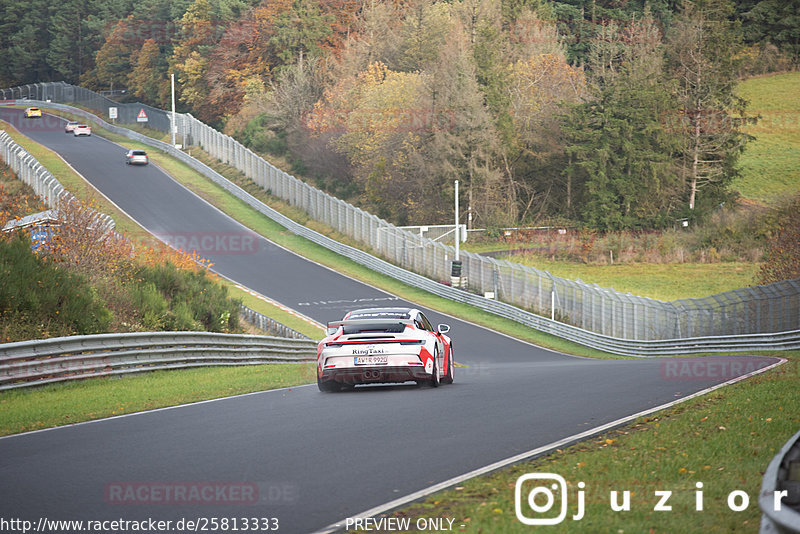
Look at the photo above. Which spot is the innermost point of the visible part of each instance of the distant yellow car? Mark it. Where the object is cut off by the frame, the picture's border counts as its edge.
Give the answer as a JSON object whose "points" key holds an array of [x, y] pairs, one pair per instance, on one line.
{"points": [[33, 112]]}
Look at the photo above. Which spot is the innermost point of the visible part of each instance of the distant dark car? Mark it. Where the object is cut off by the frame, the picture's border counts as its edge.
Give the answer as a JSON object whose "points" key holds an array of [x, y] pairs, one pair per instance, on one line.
{"points": [[136, 157]]}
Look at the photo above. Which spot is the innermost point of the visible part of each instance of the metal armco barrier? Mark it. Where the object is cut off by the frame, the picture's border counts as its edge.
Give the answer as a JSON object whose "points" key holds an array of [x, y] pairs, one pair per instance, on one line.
{"points": [[268, 324], [34, 363], [44, 184], [783, 474], [769, 321]]}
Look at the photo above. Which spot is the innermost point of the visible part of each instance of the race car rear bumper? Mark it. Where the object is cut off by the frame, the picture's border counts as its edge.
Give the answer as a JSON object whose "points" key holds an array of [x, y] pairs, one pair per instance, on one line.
{"points": [[376, 374]]}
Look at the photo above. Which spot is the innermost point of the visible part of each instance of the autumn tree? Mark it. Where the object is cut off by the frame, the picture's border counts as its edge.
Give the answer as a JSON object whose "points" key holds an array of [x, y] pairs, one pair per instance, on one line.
{"points": [[198, 33], [425, 26], [540, 84], [301, 32], [461, 142], [114, 59], [374, 119], [148, 80]]}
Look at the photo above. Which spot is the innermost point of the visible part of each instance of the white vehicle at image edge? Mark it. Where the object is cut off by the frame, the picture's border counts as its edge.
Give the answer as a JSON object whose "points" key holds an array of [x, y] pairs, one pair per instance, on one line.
{"points": [[384, 345], [81, 129]]}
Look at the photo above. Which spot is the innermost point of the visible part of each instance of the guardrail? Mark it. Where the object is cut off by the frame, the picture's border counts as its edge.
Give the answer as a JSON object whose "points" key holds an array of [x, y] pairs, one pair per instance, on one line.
{"points": [[46, 186], [782, 515], [789, 339], [39, 362], [268, 324]]}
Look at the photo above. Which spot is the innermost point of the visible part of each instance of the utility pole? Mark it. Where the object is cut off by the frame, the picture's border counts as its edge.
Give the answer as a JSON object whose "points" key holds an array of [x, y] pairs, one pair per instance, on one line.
{"points": [[458, 230], [455, 273], [173, 125]]}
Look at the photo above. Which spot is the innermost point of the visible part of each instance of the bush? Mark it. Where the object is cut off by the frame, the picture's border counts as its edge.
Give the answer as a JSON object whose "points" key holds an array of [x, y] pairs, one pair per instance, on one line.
{"points": [[184, 300], [258, 137], [783, 250], [38, 299]]}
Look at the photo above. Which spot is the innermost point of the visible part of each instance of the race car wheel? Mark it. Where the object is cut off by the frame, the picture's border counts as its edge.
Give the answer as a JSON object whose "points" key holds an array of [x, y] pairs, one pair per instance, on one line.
{"points": [[448, 378], [328, 386]]}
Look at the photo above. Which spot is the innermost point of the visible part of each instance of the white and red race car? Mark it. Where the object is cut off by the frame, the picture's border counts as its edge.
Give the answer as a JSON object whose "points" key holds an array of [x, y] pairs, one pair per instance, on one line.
{"points": [[379, 345]]}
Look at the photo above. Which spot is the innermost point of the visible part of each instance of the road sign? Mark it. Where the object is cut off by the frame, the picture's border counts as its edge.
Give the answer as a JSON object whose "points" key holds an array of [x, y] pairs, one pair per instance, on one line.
{"points": [[142, 116], [112, 113]]}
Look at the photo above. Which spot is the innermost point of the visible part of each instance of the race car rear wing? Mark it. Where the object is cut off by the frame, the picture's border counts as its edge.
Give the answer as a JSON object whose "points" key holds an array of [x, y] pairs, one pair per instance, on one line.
{"points": [[357, 326]]}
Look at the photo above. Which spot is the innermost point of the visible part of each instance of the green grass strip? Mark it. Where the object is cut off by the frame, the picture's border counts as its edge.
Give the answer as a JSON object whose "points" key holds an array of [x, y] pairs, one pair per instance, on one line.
{"points": [[27, 409]]}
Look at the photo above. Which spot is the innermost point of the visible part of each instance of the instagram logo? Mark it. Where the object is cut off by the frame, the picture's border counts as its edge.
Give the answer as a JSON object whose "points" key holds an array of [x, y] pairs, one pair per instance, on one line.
{"points": [[538, 505]]}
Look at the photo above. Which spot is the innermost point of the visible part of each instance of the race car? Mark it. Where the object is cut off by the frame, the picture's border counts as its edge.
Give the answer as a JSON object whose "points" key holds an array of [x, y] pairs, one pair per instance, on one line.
{"points": [[384, 345], [31, 113]]}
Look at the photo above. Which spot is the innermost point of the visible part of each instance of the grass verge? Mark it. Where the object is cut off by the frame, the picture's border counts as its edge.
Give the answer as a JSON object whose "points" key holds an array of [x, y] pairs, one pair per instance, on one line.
{"points": [[27, 409]]}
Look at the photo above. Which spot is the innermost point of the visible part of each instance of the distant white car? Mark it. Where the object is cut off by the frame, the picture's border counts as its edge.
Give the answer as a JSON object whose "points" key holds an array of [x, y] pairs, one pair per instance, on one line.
{"points": [[81, 129], [136, 157], [70, 126]]}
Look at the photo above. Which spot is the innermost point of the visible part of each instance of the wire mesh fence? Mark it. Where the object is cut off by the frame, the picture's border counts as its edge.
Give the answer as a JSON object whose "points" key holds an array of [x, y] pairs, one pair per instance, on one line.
{"points": [[771, 308]]}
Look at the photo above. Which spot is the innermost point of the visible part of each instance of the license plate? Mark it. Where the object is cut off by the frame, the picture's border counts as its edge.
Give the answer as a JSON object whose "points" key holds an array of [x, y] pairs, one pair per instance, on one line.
{"points": [[371, 360]]}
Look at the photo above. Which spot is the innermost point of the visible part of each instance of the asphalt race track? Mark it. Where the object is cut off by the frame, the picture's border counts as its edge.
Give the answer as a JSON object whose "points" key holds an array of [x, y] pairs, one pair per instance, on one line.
{"points": [[307, 458]]}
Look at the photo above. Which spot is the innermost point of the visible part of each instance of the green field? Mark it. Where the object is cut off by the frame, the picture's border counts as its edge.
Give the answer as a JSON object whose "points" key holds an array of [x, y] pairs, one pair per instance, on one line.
{"points": [[661, 281], [770, 165]]}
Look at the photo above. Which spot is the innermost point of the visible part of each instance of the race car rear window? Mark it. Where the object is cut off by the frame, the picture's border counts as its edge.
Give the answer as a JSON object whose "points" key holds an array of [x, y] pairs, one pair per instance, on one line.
{"points": [[379, 315], [387, 327]]}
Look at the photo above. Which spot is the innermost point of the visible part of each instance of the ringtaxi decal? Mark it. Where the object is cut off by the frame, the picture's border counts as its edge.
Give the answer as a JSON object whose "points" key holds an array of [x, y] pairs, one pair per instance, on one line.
{"points": [[541, 499]]}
